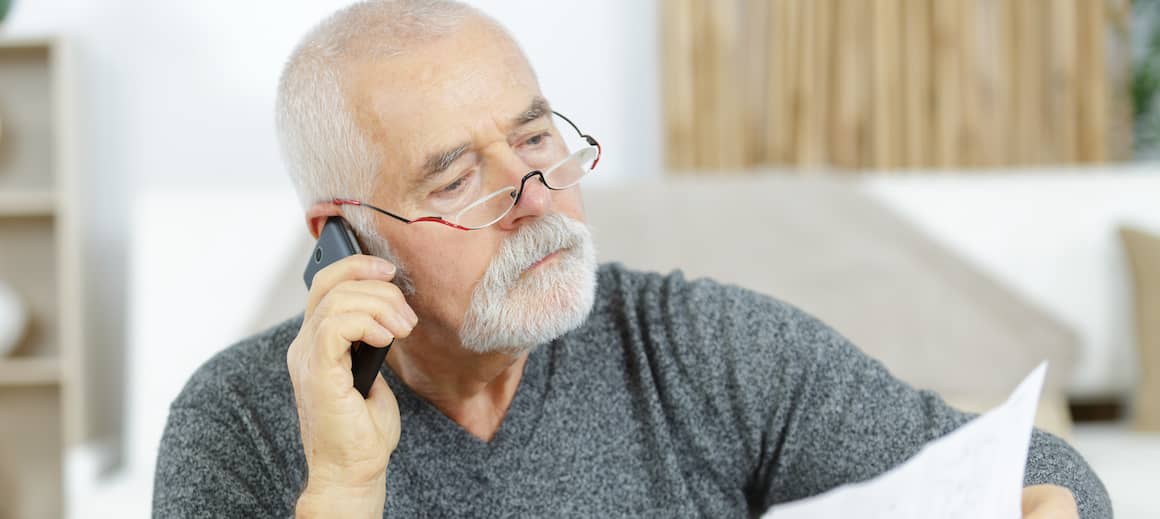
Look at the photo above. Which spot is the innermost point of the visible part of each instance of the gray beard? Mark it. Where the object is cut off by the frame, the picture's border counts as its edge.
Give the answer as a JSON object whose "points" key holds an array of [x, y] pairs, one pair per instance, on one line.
{"points": [[513, 314]]}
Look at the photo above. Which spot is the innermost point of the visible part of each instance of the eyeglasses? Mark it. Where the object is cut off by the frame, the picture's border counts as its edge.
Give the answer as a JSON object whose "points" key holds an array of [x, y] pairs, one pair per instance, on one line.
{"points": [[564, 159]]}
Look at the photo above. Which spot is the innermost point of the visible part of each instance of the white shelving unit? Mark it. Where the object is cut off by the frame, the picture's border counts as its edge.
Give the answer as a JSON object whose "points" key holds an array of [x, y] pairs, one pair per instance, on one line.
{"points": [[40, 381]]}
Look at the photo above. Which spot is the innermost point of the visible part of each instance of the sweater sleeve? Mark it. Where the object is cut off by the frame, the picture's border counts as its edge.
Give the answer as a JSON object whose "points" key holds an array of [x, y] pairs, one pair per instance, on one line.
{"points": [[199, 473], [815, 411], [853, 420], [217, 458]]}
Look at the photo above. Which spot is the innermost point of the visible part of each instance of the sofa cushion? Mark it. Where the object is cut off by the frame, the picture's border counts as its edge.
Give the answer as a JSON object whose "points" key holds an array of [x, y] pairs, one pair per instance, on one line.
{"points": [[1143, 250]]}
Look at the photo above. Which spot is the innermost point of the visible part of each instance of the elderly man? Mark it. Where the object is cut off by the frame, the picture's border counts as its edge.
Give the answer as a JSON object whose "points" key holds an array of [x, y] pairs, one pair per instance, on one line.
{"points": [[523, 380]]}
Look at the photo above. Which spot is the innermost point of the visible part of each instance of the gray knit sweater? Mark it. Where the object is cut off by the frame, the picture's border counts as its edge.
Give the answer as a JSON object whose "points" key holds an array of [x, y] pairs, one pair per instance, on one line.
{"points": [[675, 399]]}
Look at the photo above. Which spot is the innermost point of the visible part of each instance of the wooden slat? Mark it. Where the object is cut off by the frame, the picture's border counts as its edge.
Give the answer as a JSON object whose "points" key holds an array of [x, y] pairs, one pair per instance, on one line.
{"points": [[1093, 102], [849, 96], [917, 92], [677, 60], [970, 58], [809, 99], [1029, 92], [706, 153], [1009, 82], [755, 54], [948, 83], [1119, 134], [988, 83], [723, 18], [1061, 89], [823, 80], [887, 115], [782, 84]]}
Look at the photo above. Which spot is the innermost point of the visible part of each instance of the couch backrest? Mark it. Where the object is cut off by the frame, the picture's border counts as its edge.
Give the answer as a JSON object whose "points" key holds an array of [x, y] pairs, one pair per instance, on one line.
{"points": [[820, 243]]}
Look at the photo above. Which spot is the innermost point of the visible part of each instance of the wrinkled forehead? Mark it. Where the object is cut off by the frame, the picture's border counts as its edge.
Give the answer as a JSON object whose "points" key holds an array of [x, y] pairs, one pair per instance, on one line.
{"points": [[438, 94]]}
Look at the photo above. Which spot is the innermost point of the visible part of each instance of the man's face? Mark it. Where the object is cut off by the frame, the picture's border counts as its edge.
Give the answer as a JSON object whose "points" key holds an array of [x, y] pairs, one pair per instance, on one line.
{"points": [[465, 93]]}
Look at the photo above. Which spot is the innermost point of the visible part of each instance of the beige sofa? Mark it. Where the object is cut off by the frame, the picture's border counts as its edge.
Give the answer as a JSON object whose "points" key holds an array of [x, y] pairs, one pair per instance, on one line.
{"points": [[823, 245]]}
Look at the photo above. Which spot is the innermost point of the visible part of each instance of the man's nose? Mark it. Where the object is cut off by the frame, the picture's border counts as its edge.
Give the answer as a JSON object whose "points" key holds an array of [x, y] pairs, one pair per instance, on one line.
{"points": [[533, 201]]}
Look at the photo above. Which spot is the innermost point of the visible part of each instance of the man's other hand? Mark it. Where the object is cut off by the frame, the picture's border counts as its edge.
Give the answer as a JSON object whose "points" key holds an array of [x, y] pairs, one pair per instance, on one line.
{"points": [[1049, 502], [347, 440]]}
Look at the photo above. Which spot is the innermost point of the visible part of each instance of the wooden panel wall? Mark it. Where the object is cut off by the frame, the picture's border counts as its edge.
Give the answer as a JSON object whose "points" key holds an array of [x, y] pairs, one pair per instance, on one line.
{"points": [[893, 83]]}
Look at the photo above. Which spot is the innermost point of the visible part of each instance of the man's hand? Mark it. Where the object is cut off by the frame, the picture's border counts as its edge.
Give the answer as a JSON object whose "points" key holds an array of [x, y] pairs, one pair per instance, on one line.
{"points": [[1049, 502], [347, 440]]}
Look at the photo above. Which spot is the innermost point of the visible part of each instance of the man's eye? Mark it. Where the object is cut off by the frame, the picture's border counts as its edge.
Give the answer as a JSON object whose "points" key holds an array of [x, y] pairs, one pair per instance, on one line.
{"points": [[454, 186], [537, 139]]}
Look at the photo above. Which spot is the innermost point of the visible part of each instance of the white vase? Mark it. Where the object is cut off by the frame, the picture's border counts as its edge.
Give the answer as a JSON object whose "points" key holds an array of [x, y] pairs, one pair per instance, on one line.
{"points": [[13, 319]]}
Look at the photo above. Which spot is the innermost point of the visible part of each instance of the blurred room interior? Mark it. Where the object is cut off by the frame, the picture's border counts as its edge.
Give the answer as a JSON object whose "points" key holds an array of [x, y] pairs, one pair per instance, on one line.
{"points": [[962, 187]]}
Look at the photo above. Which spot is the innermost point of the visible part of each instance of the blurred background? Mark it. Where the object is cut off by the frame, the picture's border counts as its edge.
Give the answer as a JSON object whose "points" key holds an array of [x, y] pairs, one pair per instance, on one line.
{"points": [[963, 187]]}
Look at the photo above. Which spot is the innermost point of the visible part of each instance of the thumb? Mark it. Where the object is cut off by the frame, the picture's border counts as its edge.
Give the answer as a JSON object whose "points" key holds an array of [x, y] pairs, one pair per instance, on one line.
{"points": [[384, 410]]}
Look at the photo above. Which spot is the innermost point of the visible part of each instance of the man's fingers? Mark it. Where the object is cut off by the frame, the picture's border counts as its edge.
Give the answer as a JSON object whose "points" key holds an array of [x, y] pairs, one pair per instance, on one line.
{"points": [[384, 410], [381, 401], [1049, 502], [387, 291], [336, 333], [359, 266], [388, 309]]}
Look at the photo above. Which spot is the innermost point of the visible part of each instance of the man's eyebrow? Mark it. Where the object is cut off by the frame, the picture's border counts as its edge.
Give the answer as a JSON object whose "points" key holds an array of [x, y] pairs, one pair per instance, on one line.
{"points": [[437, 163], [536, 110]]}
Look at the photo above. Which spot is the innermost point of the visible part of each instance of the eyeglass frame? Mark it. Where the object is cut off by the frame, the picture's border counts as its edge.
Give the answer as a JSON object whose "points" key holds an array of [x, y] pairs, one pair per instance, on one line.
{"points": [[519, 193]]}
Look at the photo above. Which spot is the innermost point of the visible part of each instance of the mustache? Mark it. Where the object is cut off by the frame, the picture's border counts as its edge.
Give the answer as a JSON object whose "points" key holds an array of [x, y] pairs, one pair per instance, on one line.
{"points": [[548, 234]]}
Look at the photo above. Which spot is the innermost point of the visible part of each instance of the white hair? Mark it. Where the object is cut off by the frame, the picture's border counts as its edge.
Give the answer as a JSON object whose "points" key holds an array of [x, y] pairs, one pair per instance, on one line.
{"points": [[325, 152]]}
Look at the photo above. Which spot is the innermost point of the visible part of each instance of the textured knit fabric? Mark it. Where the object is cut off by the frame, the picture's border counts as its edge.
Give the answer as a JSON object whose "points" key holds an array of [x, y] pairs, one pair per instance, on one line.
{"points": [[674, 399]]}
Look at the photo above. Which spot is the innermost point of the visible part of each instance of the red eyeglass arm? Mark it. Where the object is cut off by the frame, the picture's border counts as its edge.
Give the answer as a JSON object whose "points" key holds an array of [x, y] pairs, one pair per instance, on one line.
{"points": [[436, 219]]}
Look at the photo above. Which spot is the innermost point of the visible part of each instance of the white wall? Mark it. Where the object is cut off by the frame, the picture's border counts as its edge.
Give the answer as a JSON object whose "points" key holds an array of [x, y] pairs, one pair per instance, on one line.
{"points": [[195, 80]]}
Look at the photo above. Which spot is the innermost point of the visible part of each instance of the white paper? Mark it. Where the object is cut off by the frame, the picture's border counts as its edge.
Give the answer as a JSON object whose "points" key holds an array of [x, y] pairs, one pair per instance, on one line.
{"points": [[975, 471]]}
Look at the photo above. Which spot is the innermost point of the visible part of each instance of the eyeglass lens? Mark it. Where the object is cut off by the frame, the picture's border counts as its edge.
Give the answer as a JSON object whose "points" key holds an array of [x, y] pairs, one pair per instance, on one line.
{"points": [[557, 151]]}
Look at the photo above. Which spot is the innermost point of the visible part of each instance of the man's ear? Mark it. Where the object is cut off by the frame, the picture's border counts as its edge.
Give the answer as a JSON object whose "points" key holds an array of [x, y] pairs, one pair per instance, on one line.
{"points": [[317, 215]]}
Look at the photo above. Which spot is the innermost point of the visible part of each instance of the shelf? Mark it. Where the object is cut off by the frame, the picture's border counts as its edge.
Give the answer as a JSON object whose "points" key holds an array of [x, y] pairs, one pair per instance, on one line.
{"points": [[27, 202], [34, 371], [31, 458], [42, 42], [28, 152], [41, 383]]}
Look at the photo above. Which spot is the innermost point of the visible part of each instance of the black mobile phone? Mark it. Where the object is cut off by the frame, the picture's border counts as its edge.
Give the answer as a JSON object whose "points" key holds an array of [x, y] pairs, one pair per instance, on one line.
{"points": [[337, 241]]}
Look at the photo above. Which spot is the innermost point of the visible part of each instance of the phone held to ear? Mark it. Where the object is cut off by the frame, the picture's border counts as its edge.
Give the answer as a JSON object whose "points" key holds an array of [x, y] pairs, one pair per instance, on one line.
{"points": [[337, 241]]}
